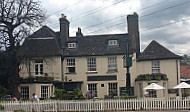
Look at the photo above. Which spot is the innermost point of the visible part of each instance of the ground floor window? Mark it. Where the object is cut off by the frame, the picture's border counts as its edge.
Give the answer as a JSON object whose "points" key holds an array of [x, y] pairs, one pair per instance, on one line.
{"points": [[25, 93], [93, 89], [44, 91], [112, 90], [152, 93], [164, 91], [140, 90]]}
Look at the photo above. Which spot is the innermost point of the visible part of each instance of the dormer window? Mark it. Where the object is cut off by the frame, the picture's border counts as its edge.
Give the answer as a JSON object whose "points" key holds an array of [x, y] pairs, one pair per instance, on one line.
{"points": [[72, 45], [112, 42]]}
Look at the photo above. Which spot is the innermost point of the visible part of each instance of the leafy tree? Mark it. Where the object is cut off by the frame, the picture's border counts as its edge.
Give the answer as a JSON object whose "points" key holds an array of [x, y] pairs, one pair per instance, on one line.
{"points": [[17, 19], [2, 91], [185, 59]]}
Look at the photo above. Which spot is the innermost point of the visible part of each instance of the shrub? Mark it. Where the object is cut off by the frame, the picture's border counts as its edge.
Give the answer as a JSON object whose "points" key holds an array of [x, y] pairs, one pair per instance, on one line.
{"points": [[20, 110], [128, 97], [1, 107], [2, 91]]}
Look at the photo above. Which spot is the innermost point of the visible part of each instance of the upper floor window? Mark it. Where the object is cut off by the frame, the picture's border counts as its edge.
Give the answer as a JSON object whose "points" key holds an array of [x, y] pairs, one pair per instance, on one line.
{"points": [[72, 45], [112, 42], [70, 65], [112, 64], [91, 64], [38, 67], [155, 66]]}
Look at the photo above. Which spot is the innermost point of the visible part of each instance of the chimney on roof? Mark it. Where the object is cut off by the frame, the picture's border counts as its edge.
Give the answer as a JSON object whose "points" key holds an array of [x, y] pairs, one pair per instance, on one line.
{"points": [[64, 30], [133, 31], [79, 33]]}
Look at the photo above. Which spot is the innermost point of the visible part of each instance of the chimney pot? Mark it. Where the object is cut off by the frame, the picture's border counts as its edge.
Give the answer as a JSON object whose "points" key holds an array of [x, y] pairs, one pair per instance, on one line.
{"points": [[79, 29], [63, 16], [79, 33]]}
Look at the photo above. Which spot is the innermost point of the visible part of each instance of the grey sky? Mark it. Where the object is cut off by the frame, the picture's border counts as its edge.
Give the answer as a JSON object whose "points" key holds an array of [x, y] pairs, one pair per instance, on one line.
{"points": [[176, 37]]}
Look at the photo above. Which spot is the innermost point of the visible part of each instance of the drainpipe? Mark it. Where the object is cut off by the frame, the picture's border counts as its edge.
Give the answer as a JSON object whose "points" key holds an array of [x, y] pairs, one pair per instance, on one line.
{"points": [[177, 75], [62, 72]]}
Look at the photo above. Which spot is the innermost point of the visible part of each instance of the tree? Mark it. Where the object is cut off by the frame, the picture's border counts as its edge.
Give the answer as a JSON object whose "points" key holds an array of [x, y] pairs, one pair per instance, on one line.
{"points": [[185, 59], [17, 19]]}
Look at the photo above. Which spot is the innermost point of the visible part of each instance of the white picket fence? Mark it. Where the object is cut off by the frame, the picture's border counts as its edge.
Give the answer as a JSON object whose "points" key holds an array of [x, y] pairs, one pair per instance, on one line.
{"points": [[98, 105]]}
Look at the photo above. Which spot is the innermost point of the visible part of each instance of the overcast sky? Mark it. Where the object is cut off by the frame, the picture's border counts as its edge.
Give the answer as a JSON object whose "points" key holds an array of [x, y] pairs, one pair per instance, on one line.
{"points": [[97, 17]]}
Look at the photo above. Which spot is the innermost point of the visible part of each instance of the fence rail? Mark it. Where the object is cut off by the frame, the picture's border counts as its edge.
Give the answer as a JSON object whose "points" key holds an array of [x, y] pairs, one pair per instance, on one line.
{"points": [[98, 105]]}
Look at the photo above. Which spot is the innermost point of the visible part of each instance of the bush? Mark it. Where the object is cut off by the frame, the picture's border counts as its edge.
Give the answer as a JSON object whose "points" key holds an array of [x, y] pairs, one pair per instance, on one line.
{"points": [[128, 97], [20, 110], [2, 91], [1, 107], [73, 95], [59, 94]]}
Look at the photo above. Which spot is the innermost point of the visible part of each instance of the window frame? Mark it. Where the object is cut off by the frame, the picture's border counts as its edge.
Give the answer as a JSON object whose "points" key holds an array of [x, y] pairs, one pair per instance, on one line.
{"points": [[112, 64], [156, 66], [44, 91], [25, 93], [113, 89], [70, 63], [113, 42], [92, 87], [152, 93], [38, 67], [72, 45], [140, 90], [91, 64]]}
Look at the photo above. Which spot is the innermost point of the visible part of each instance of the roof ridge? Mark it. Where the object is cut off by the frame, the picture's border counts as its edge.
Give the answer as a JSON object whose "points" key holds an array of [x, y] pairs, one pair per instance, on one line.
{"points": [[101, 35]]}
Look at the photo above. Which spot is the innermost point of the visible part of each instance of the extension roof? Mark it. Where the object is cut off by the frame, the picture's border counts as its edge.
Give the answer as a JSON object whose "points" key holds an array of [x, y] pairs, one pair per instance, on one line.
{"points": [[185, 71], [41, 43], [155, 51]]}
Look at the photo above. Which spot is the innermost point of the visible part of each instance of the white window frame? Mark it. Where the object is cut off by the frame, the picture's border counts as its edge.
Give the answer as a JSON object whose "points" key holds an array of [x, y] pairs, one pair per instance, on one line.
{"points": [[72, 45], [112, 64], [113, 42], [70, 64], [152, 93], [93, 89], [164, 91], [113, 89], [44, 91], [38, 67], [24, 90], [155, 66], [91, 64]]}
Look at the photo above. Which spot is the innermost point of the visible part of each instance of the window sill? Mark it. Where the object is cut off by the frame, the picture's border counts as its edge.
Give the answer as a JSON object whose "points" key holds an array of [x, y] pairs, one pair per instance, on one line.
{"points": [[91, 72], [111, 71], [71, 73]]}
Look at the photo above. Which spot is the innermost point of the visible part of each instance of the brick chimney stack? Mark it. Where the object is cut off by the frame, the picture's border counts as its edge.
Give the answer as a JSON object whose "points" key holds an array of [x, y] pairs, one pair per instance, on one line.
{"points": [[133, 31], [79, 33], [64, 30]]}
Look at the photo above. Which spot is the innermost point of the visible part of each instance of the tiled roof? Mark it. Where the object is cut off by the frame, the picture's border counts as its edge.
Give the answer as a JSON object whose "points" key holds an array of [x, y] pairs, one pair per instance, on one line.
{"points": [[185, 71], [97, 45], [155, 51], [41, 43], [43, 32]]}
